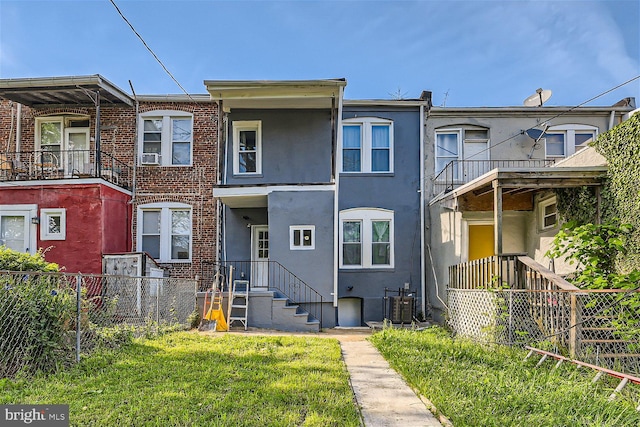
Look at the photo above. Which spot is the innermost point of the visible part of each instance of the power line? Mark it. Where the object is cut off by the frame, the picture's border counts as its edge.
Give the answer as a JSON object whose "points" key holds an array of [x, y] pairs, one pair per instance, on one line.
{"points": [[557, 115], [151, 51]]}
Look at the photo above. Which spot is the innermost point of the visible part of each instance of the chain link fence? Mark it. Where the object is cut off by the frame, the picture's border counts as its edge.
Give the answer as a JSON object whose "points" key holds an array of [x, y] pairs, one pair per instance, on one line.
{"points": [[597, 327], [48, 320]]}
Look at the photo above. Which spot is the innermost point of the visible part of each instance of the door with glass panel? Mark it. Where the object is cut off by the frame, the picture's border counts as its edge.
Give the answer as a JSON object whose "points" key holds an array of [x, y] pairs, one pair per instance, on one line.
{"points": [[14, 230], [260, 257], [76, 154]]}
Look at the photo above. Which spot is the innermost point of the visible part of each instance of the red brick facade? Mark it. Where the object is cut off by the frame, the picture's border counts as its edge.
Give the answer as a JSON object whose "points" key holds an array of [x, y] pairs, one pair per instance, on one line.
{"points": [[192, 185]]}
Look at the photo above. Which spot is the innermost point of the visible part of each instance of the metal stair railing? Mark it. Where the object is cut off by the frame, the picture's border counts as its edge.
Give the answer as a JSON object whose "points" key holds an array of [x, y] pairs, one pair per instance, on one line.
{"points": [[276, 278]]}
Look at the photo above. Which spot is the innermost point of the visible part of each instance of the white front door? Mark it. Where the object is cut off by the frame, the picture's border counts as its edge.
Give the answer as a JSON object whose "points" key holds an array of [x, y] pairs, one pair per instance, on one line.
{"points": [[16, 230], [260, 256]]}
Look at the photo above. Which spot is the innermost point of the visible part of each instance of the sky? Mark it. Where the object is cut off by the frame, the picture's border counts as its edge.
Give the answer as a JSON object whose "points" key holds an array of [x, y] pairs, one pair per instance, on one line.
{"points": [[467, 53]]}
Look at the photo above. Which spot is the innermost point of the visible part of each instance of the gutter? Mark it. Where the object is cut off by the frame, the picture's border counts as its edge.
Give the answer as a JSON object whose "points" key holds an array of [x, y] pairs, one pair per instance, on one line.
{"points": [[336, 207]]}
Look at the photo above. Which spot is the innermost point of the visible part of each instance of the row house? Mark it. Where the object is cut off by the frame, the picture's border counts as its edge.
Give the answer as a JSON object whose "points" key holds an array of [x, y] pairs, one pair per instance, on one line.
{"points": [[334, 212], [492, 175], [88, 170]]}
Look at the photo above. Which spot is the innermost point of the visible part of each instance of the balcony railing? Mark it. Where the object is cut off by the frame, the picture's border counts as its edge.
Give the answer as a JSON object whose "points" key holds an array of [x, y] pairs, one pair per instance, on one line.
{"points": [[460, 172], [63, 164]]}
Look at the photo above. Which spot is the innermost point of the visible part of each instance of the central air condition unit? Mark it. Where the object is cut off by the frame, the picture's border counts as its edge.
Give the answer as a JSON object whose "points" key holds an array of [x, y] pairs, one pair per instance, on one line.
{"points": [[150, 159]]}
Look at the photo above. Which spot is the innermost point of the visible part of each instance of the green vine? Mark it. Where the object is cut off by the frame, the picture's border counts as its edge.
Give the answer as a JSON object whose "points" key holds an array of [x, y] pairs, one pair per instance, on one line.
{"points": [[620, 193]]}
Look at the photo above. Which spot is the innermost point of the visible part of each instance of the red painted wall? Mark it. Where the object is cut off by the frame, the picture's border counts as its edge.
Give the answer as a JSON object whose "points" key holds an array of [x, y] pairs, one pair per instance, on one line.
{"points": [[98, 220]]}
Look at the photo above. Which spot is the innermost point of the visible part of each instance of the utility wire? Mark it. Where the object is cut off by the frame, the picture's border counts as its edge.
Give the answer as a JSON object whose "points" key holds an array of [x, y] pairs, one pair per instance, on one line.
{"points": [[557, 115], [151, 51]]}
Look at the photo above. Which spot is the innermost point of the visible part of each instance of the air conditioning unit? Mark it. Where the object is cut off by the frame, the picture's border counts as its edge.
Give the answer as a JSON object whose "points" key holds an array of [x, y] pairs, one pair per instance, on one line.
{"points": [[150, 159]]}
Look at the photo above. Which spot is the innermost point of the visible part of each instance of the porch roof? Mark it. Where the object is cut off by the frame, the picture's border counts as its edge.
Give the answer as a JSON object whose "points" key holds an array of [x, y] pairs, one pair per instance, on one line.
{"points": [[52, 91], [518, 185], [276, 93], [256, 196]]}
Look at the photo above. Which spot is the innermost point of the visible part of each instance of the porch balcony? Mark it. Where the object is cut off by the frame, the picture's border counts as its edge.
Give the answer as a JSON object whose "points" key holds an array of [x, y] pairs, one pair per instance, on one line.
{"points": [[460, 172], [64, 164]]}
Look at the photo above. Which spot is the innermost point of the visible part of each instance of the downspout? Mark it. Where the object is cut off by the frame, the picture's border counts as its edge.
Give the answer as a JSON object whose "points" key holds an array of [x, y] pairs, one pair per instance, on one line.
{"points": [[18, 131], [612, 119], [225, 159], [423, 286], [336, 207], [97, 137], [135, 162]]}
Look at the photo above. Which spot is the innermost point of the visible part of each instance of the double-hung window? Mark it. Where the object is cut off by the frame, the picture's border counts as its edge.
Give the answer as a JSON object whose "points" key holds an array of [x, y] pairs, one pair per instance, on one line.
{"points": [[367, 145], [547, 214], [564, 140], [247, 147], [164, 231], [366, 238], [166, 138], [468, 144]]}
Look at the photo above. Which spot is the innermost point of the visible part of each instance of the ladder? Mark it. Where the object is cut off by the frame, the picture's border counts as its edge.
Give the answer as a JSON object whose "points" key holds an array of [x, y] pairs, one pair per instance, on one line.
{"points": [[239, 302]]}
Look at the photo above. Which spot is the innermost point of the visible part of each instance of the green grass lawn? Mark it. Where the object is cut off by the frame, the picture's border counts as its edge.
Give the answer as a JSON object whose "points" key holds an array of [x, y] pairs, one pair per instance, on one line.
{"points": [[492, 386], [187, 379]]}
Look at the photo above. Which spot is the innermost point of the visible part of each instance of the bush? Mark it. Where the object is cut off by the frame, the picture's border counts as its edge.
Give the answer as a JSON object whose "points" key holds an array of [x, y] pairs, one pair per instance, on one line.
{"points": [[11, 260], [35, 318], [35, 315]]}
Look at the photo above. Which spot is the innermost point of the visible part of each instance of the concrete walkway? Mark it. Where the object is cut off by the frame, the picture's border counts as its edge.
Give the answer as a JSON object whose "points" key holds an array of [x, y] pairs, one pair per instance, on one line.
{"points": [[383, 396]]}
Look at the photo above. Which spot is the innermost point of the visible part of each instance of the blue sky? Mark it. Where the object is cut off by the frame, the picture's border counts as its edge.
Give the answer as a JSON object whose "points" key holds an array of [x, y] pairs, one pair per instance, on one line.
{"points": [[468, 53]]}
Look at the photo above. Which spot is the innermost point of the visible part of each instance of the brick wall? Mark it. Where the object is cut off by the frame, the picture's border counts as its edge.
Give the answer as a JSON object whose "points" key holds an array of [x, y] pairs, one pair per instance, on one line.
{"points": [[192, 185]]}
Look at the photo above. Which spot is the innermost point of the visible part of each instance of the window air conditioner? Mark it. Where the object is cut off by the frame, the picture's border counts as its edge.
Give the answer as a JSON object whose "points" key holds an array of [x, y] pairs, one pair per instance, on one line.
{"points": [[150, 159]]}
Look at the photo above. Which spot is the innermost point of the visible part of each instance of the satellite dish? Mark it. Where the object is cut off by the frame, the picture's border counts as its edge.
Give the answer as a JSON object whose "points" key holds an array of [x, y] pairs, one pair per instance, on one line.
{"points": [[537, 99], [534, 134]]}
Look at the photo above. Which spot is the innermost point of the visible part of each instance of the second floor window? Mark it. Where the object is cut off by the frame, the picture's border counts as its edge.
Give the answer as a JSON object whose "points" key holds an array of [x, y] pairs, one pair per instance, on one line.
{"points": [[565, 140], [166, 138], [367, 145], [247, 147], [468, 143]]}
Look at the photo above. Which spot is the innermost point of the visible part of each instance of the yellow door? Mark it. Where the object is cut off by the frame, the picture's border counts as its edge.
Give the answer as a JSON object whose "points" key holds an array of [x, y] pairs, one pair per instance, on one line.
{"points": [[480, 241]]}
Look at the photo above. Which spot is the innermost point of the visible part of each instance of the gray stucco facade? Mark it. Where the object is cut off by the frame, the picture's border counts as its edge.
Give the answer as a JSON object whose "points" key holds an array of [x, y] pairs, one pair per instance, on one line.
{"points": [[398, 192]]}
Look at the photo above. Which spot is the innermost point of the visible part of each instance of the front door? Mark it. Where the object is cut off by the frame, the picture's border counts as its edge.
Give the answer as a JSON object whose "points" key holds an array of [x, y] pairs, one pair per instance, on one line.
{"points": [[260, 257]]}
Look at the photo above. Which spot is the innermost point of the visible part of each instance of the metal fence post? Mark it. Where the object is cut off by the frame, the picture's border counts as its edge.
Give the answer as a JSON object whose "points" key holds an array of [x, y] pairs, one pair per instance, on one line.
{"points": [[78, 314]]}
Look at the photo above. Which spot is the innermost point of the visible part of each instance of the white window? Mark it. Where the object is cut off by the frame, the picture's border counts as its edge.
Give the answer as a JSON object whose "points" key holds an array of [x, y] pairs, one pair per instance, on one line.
{"points": [[62, 143], [247, 147], [302, 237], [53, 224], [366, 238], [367, 145], [469, 144], [17, 230], [565, 140], [547, 214], [166, 138], [164, 231]]}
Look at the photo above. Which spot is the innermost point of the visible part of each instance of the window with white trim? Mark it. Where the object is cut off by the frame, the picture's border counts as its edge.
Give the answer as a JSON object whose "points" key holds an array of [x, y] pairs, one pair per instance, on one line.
{"points": [[367, 145], [466, 143], [564, 140], [53, 224], [366, 238], [62, 143], [302, 237], [247, 147], [164, 231], [547, 214], [166, 138]]}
